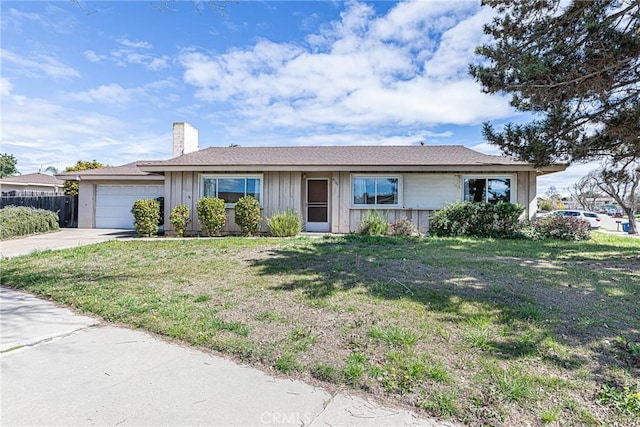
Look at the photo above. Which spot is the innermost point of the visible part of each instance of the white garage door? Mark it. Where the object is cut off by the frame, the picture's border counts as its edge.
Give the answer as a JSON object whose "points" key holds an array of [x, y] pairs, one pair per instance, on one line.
{"points": [[114, 202]]}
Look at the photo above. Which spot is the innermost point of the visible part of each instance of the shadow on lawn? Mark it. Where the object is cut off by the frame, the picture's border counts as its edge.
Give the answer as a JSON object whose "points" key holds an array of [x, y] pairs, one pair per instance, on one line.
{"points": [[565, 289]]}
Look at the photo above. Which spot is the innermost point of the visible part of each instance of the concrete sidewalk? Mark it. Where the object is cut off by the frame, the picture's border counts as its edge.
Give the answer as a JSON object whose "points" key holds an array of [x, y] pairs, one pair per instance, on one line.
{"points": [[59, 368], [65, 238]]}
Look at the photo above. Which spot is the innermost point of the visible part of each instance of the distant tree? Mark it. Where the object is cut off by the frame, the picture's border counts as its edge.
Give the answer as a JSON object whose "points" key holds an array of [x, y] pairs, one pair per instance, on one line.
{"points": [[71, 187], [8, 165], [586, 191], [621, 181], [545, 205], [554, 198], [575, 65], [49, 169]]}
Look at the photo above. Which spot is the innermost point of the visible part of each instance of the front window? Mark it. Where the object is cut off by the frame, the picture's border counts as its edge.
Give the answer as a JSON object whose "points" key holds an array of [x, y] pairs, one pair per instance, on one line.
{"points": [[232, 188], [375, 191], [489, 190]]}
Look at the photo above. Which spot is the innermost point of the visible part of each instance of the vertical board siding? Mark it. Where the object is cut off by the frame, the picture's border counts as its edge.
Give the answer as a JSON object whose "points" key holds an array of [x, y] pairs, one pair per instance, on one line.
{"points": [[420, 217], [168, 201], [344, 202], [522, 182], [334, 202], [533, 196], [281, 191], [86, 205], [423, 193]]}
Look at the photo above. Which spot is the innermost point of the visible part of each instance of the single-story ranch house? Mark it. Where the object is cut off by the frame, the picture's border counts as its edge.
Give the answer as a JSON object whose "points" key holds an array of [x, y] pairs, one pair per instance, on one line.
{"points": [[331, 187], [31, 184]]}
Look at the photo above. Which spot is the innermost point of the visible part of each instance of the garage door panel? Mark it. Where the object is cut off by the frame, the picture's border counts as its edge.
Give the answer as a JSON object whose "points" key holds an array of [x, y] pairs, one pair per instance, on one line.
{"points": [[114, 202]]}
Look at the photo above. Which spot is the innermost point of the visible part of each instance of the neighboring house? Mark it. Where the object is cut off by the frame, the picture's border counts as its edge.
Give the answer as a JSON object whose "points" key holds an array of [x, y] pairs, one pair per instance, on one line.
{"points": [[32, 184], [598, 203], [331, 187]]}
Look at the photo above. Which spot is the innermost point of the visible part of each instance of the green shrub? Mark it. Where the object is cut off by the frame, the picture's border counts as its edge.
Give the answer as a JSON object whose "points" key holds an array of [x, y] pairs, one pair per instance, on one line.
{"points": [[403, 227], [212, 213], [247, 215], [285, 224], [559, 227], [624, 398], [545, 205], [146, 215], [373, 224], [22, 220], [180, 219], [477, 219]]}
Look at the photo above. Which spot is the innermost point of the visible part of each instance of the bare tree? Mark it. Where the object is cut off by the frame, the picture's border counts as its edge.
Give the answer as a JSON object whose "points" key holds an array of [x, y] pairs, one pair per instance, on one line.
{"points": [[622, 182], [554, 198], [586, 191]]}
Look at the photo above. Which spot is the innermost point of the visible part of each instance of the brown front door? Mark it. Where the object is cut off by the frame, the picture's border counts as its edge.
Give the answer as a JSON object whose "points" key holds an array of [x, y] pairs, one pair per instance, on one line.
{"points": [[317, 205]]}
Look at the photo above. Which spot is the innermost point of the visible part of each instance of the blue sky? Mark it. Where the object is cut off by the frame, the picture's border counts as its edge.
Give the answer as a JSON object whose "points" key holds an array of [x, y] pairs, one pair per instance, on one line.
{"points": [[105, 80]]}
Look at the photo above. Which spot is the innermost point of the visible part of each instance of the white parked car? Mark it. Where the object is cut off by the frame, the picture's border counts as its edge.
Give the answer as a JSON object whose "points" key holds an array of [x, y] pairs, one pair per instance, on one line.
{"points": [[591, 217]]}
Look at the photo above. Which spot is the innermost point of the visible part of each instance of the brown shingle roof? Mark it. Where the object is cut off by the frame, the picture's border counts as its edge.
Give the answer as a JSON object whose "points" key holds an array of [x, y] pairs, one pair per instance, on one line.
{"points": [[439, 155], [33, 179], [130, 169]]}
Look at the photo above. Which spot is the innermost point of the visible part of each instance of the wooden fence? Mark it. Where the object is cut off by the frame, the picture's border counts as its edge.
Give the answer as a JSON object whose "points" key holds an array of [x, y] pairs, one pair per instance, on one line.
{"points": [[65, 206]]}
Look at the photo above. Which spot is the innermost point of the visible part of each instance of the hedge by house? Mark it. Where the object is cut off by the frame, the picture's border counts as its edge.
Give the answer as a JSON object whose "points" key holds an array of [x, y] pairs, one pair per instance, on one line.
{"points": [[477, 220], [22, 221], [559, 227], [285, 224], [180, 219], [146, 215], [212, 214], [247, 215]]}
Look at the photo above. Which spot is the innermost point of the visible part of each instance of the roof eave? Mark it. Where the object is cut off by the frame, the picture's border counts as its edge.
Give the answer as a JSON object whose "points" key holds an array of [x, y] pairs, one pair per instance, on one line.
{"points": [[557, 167], [341, 168], [122, 177], [35, 184]]}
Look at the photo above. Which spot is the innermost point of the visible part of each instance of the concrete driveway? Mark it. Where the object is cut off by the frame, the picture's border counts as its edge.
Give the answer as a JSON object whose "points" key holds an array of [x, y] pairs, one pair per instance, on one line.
{"points": [[65, 238]]}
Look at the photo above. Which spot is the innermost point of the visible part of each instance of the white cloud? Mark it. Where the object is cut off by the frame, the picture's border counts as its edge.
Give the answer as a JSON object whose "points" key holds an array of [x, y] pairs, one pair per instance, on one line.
{"points": [[115, 94], [5, 86], [54, 19], [61, 136], [563, 180], [132, 52], [487, 148], [360, 71], [457, 47], [134, 44], [93, 57], [39, 65], [106, 94], [158, 63]]}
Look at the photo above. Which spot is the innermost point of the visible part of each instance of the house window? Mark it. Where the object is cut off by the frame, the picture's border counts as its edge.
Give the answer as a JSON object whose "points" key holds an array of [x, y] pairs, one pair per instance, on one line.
{"points": [[489, 190], [372, 191], [232, 188]]}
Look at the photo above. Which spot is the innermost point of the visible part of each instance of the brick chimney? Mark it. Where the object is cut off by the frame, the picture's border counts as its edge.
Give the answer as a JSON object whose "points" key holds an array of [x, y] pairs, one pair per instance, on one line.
{"points": [[185, 139]]}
